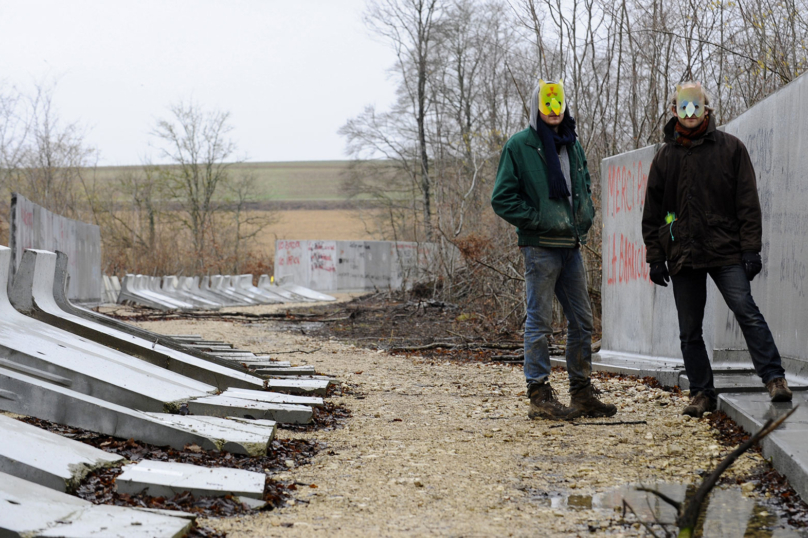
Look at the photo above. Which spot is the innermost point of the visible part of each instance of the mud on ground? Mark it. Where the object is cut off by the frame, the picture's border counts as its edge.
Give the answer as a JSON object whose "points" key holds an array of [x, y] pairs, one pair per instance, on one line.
{"points": [[444, 447]]}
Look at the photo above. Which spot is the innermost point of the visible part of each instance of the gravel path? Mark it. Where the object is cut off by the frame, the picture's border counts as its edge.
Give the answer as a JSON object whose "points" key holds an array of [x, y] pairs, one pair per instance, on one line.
{"points": [[446, 448]]}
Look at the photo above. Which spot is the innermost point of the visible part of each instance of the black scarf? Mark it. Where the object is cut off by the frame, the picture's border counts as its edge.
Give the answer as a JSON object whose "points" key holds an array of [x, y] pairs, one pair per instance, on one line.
{"points": [[552, 142]]}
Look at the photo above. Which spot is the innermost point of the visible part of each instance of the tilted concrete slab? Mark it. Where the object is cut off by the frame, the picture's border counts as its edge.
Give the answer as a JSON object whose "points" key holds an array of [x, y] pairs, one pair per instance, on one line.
{"points": [[170, 287], [232, 434], [281, 370], [35, 348], [244, 282], [32, 294], [45, 458], [28, 509], [221, 284], [166, 479], [129, 295], [273, 397], [266, 284], [59, 296], [191, 285], [298, 386], [225, 406], [307, 293], [26, 395]]}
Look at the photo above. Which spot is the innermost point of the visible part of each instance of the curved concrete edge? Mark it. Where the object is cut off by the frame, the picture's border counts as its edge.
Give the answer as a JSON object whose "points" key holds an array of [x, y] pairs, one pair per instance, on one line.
{"points": [[32, 294], [60, 297]]}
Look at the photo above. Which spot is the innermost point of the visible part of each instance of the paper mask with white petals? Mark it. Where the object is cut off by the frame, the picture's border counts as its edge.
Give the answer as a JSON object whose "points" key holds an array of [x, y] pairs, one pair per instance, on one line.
{"points": [[690, 101]]}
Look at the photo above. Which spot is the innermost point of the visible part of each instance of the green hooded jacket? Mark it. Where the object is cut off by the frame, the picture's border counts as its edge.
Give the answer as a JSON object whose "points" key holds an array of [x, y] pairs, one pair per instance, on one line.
{"points": [[521, 193]]}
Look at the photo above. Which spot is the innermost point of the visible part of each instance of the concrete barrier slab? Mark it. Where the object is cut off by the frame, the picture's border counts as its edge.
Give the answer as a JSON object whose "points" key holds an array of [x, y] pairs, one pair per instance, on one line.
{"points": [[32, 294], [166, 479], [26, 395], [59, 286], [45, 458], [235, 434], [298, 386], [307, 293], [273, 397], [28, 509], [265, 284], [281, 370], [225, 406]]}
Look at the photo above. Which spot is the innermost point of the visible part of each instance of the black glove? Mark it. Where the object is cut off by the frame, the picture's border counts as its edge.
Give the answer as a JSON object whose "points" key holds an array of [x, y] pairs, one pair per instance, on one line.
{"points": [[659, 274], [752, 264]]}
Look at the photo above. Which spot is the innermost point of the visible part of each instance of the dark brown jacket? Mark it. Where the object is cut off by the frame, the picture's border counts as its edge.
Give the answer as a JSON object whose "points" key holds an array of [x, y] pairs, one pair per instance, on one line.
{"points": [[711, 188]]}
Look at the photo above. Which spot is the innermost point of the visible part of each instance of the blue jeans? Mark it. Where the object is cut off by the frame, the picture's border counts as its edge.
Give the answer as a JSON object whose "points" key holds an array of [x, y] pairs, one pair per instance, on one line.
{"points": [[558, 271], [690, 294]]}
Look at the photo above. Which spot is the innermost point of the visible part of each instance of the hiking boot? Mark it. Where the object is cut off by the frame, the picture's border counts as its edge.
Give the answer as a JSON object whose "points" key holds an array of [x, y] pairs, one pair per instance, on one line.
{"points": [[545, 404], [584, 404], [778, 390], [699, 404]]}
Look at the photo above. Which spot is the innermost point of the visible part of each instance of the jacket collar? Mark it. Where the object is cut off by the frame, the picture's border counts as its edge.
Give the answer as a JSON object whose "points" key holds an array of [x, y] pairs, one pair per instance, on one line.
{"points": [[534, 141], [670, 137]]}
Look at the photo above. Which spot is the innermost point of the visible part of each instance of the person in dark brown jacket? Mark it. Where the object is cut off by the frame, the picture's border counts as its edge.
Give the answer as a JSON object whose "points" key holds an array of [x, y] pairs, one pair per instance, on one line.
{"points": [[702, 216]]}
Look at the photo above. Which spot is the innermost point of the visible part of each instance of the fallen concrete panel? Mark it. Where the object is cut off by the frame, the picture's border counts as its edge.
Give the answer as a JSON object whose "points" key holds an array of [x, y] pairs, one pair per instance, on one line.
{"points": [[26, 395], [84, 366], [221, 284], [266, 284], [28, 509], [232, 434], [170, 287], [273, 397], [244, 282], [129, 295], [298, 386], [225, 406], [166, 479], [281, 370], [307, 293], [59, 285], [32, 294], [45, 458]]}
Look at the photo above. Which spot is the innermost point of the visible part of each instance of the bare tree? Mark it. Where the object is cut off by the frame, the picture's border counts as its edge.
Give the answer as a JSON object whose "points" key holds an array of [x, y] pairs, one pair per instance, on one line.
{"points": [[410, 26], [196, 142]]}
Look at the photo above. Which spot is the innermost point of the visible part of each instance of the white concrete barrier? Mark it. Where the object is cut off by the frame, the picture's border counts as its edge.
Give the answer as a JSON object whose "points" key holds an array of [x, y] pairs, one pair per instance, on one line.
{"points": [[352, 265]]}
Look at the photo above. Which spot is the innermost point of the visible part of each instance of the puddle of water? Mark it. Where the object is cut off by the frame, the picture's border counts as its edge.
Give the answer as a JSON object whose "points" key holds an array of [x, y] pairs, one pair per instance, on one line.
{"points": [[729, 514]]}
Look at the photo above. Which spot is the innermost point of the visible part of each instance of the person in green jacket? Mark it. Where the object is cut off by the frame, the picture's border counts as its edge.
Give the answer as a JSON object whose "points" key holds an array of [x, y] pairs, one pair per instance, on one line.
{"points": [[543, 188]]}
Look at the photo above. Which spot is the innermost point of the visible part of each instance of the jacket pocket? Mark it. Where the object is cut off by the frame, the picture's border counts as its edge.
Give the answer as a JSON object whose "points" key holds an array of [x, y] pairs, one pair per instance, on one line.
{"points": [[723, 235], [667, 240]]}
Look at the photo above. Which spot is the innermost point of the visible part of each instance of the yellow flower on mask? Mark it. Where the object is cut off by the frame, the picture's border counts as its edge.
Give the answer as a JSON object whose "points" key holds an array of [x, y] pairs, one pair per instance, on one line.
{"points": [[551, 98]]}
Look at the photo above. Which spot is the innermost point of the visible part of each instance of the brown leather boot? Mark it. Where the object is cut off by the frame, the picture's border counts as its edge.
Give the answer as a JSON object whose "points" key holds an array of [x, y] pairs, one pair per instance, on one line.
{"points": [[545, 404], [584, 404], [778, 390], [699, 404]]}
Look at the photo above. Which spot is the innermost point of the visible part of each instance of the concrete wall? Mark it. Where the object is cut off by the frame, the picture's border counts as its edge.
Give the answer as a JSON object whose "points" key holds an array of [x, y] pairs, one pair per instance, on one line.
{"points": [[351, 265], [640, 318], [33, 226], [776, 134]]}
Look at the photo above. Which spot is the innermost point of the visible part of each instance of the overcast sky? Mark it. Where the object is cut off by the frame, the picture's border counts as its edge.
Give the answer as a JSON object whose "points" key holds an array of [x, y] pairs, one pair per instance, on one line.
{"points": [[290, 72]]}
